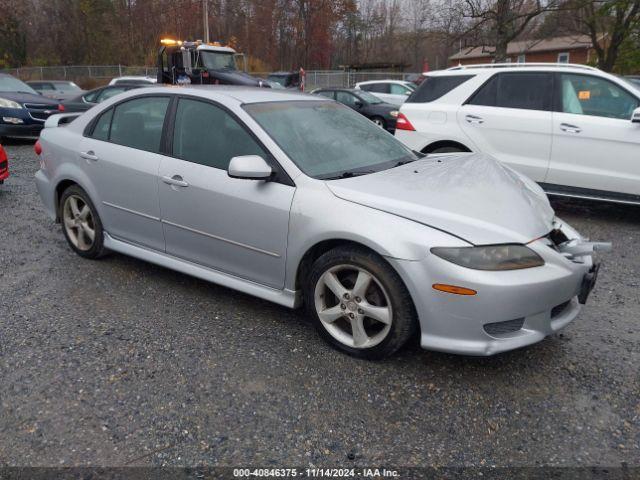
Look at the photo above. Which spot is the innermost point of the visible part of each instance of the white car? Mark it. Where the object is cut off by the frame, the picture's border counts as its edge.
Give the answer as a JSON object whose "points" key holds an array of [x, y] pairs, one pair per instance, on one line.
{"points": [[133, 79], [394, 92], [574, 129]]}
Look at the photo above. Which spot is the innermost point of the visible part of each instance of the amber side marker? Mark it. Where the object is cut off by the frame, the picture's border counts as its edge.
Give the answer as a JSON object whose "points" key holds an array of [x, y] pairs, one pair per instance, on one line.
{"points": [[441, 287]]}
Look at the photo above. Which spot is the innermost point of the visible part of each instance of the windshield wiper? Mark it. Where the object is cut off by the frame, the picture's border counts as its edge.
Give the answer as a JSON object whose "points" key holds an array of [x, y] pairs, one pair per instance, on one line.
{"points": [[349, 174], [404, 162]]}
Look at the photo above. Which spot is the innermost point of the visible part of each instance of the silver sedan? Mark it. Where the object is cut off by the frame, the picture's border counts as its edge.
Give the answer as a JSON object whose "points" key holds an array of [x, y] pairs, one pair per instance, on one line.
{"points": [[301, 201]]}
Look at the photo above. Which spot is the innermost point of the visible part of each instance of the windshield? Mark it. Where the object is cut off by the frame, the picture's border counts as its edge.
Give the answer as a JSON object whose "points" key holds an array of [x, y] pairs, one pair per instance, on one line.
{"points": [[633, 82], [369, 98], [218, 60], [328, 140], [11, 84]]}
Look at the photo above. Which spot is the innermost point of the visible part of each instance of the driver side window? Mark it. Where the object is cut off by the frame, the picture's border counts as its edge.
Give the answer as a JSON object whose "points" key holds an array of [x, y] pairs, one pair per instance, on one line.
{"points": [[588, 95]]}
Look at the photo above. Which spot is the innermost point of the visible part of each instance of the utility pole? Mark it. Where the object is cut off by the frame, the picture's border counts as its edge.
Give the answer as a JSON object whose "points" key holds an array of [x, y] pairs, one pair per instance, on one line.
{"points": [[205, 20]]}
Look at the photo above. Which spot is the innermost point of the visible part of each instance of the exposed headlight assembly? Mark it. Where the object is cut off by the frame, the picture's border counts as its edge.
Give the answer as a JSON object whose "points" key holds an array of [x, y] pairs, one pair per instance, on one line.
{"points": [[4, 103], [491, 257]]}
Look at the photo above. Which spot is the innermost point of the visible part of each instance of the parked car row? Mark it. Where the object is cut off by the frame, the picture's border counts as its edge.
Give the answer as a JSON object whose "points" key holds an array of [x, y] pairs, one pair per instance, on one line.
{"points": [[233, 185], [301, 201]]}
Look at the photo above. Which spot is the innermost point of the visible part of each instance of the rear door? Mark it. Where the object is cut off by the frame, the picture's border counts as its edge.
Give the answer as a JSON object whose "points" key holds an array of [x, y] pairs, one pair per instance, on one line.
{"points": [[122, 157], [595, 144], [232, 225], [510, 118]]}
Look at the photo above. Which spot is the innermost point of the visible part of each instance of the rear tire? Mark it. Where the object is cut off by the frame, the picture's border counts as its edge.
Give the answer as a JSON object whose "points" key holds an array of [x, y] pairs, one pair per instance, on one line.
{"points": [[379, 121], [81, 224], [373, 316]]}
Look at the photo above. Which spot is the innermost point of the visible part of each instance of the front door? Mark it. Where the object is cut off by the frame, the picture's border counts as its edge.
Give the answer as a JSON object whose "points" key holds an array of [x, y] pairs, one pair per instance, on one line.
{"points": [[595, 144], [122, 157], [235, 226], [509, 117]]}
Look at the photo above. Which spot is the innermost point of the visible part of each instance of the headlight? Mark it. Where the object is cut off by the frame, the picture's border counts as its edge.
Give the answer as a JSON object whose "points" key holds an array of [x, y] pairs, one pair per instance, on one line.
{"points": [[491, 257], [4, 103]]}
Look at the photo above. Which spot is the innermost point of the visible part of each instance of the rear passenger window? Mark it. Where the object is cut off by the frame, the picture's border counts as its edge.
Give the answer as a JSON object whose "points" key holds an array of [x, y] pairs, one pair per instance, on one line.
{"points": [[101, 129], [138, 123], [527, 91], [378, 88], [210, 136], [433, 88]]}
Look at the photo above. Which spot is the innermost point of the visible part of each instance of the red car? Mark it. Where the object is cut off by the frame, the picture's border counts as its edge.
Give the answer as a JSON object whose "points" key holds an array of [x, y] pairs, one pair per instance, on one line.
{"points": [[4, 165]]}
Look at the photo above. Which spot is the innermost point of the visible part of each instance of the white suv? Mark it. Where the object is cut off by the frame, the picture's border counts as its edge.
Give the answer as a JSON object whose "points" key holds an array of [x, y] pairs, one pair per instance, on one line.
{"points": [[572, 128]]}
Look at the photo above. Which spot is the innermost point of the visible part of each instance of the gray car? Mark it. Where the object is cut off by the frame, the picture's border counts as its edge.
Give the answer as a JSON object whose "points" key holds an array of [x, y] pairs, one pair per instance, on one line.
{"points": [[60, 90], [299, 200]]}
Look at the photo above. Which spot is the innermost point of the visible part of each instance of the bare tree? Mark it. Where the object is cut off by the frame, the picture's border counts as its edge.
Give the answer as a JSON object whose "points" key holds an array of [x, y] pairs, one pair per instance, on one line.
{"points": [[617, 18], [418, 12], [498, 22]]}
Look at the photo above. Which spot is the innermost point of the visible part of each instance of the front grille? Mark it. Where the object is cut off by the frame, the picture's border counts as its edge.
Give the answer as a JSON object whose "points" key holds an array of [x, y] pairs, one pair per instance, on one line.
{"points": [[38, 106], [500, 328], [558, 309], [40, 111]]}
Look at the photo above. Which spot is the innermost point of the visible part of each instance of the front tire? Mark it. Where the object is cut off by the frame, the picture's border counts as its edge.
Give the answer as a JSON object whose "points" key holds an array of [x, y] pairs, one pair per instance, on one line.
{"points": [[359, 304], [81, 224]]}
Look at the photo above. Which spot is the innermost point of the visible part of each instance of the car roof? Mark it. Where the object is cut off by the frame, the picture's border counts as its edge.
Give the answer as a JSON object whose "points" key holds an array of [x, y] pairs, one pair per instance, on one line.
{"points": [[49, 81], [368, 82], [513, 67], [339, 89], [239, 93]]}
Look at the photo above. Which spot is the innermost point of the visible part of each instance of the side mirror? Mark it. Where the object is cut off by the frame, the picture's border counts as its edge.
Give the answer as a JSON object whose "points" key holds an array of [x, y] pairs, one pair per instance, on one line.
{"points": [[249, 167], [635, 116], [358, 104]]}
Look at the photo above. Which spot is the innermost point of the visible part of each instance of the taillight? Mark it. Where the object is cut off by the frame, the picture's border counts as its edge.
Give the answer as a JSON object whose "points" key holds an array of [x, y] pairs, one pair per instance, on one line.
{"points": [[60, 107], [3, 155], [403, 123], [37, 148]]}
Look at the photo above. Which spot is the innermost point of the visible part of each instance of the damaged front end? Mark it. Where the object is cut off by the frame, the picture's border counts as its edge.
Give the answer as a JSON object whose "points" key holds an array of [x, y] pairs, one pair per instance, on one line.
{"points": [[568, 242]]}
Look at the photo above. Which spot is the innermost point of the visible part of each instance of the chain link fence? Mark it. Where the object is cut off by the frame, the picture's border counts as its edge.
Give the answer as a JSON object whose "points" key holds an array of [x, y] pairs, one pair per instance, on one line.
{"points": [[92, 75]]}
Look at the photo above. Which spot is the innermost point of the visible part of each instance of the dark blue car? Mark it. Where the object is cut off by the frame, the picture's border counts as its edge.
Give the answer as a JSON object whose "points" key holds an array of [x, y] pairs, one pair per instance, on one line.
{"points": [[22, 109]]}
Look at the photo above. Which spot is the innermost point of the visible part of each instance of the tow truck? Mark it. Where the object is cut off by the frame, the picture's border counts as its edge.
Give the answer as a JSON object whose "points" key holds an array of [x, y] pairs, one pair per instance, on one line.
{"points": [[195, 62]]}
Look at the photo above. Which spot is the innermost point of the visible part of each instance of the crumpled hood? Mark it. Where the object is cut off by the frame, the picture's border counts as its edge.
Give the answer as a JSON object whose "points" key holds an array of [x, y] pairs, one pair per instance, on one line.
{"points": [[471, 196]]}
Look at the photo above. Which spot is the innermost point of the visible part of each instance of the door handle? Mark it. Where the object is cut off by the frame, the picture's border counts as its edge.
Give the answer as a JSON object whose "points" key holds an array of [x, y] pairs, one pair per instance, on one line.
{"points": [[175, 180], [566, 127], [474, 119], [90, 155]]}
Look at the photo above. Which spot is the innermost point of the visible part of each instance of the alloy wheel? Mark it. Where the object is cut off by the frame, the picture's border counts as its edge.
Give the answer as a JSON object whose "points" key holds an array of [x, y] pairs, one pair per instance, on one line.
{"points": [[78, 222], [353, 306]]}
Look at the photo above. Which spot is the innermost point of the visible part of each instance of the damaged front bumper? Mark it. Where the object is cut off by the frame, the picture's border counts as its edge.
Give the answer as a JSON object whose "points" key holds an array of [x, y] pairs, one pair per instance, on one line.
{"points": [[511, 309]]}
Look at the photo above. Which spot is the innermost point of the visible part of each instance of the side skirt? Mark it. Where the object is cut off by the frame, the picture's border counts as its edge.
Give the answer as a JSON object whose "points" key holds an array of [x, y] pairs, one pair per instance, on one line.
{"points": [[287, 298], [589, 194]]}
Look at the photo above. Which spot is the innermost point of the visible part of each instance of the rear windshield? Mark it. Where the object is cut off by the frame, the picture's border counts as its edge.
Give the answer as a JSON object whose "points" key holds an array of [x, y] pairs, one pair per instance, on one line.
{"points": [[433, 88], [327, 140]]}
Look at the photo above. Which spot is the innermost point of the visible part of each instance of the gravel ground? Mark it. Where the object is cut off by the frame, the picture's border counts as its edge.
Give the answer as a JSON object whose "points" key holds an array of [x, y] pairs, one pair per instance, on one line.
{"points": [[119, 362]]}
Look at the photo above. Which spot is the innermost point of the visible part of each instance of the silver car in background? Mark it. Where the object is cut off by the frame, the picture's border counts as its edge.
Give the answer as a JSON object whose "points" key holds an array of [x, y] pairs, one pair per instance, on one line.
{"points": [[299, 200]]}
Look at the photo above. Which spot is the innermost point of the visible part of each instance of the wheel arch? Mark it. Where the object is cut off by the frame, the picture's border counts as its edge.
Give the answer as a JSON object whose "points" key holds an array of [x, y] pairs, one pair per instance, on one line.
{"points": [[61, 186], [445, 143], [67, 177], [318, 249]]}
